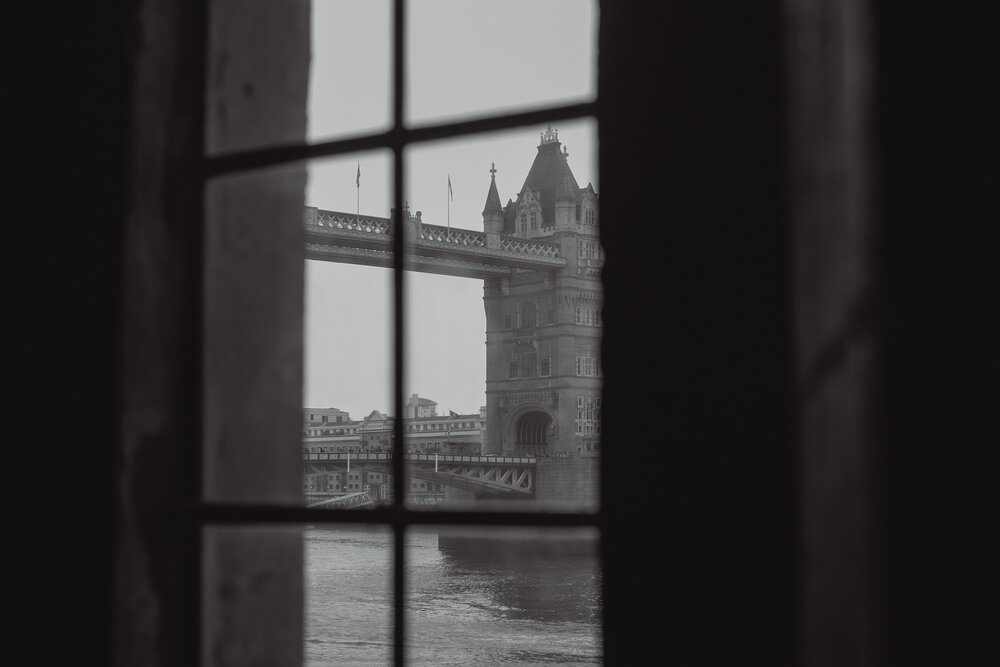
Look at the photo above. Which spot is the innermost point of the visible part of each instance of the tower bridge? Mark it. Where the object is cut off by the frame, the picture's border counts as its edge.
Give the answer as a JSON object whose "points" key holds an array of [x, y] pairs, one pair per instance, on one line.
{"points": [[539, 258]]}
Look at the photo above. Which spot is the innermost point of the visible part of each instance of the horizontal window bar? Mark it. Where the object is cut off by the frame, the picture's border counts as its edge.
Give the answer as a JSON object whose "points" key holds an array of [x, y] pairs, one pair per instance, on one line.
{"points": [[267, 157], [220, 513]]}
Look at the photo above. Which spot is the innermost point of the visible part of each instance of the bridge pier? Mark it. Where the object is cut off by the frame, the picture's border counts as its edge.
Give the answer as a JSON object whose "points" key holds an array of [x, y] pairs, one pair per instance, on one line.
{"points": [[571, 483]]}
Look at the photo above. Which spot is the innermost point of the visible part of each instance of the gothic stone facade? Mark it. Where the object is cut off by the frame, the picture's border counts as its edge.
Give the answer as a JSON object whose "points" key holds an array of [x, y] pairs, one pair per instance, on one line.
{"points": [[543, 328]]}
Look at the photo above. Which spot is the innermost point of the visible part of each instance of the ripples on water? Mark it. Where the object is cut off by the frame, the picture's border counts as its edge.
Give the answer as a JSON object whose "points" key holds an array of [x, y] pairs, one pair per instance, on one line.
{"points": [[509, 603]]}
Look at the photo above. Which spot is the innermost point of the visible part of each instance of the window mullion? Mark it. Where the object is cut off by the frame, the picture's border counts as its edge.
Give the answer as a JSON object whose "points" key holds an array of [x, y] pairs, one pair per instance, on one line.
{"points": [[399, 330]]}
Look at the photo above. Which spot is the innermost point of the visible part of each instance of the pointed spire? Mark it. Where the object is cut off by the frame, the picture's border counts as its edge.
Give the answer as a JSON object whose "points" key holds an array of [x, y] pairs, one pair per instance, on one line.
{"points": [[493, 205]]}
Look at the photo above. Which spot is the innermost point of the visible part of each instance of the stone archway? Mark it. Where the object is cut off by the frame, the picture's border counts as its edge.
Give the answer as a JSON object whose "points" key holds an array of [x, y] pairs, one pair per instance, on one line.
{"points": [[530, 432]]}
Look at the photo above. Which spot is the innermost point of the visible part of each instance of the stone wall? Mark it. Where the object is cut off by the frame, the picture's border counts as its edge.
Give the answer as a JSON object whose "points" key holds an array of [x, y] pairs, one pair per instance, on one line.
{"points": [[571, 483]]}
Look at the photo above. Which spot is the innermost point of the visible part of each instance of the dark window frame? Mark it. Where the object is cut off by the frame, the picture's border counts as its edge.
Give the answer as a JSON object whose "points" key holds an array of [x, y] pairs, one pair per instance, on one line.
{"points": [[699, 101], [400, 136]]}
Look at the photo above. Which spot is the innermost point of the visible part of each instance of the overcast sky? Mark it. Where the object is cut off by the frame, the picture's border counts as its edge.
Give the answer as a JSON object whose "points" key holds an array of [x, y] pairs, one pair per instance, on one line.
{"points": [[466, 58]]}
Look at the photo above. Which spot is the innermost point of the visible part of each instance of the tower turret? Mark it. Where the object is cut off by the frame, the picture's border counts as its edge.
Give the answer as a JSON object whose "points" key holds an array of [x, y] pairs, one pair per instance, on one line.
{"points": [[493, 212]]}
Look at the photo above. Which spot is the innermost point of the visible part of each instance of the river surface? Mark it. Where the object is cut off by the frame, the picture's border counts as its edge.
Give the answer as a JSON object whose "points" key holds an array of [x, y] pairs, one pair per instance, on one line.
{"points": [[509, 603]]}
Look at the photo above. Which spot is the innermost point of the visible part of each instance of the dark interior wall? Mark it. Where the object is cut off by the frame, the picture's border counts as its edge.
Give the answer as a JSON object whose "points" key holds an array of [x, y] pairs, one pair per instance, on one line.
{"points": [[938, 302], [698, 477], [691, 146], [72, 134], [113, 97]]}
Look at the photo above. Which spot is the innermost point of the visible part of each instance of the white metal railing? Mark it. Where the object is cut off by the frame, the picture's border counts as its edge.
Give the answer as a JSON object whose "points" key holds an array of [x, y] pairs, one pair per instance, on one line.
{"points": [[425, 458], [345, 501]]}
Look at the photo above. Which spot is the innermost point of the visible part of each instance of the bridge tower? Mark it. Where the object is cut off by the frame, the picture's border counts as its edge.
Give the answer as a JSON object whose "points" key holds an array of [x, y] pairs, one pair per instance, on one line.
{"points": [[543, 327]]}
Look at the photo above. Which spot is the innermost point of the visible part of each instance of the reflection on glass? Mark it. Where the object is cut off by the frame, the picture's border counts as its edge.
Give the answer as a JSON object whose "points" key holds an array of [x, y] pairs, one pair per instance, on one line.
{"points": [[503, 596], [477, 57], [247, 572], [503, 312], [348, 595], [253, 229], [349, 74]]}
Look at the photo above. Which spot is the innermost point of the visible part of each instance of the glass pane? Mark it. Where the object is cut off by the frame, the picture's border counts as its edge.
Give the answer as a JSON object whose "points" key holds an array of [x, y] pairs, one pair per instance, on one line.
{"points": [[482, 57], [252, 590], [257, 78], [520, 596], [503, 297], [348, 348], [253, 267], [348, 595], [349, 82]]}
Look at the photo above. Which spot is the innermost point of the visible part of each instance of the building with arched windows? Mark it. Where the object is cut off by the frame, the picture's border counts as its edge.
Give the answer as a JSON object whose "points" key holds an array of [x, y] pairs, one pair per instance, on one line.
{"points": [[543, 327]]}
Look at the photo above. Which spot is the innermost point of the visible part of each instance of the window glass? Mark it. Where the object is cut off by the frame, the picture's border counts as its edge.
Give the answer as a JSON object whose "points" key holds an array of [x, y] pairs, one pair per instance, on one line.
{"points": [[475, 343], [240, 594], [348, 332], [478, 57], [349, 81], [348, 595], [488, 415], [525, 596], [255, 230]]}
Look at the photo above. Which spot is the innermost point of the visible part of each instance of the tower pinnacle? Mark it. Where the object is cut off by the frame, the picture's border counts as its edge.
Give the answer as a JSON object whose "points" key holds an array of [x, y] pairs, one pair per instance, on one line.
{"points": [[549, 136], [493, 205]]}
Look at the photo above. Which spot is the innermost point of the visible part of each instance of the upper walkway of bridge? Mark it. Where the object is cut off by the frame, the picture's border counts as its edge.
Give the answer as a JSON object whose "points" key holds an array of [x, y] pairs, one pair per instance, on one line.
{"points": [[363, 239]]}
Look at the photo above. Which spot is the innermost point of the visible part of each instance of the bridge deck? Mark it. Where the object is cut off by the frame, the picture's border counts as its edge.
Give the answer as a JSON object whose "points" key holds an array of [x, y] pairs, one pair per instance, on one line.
{"points": [[360, 239], [499, 475]]}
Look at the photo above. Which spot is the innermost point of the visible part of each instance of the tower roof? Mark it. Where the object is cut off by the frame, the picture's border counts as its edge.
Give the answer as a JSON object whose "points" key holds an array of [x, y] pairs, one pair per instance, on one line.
{"points": [[493, 205], [549, 177], [550, 174], [566, 191]]}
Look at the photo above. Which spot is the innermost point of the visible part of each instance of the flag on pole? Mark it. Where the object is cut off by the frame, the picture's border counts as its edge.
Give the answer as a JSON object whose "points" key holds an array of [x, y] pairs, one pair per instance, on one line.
{"points": [[449, 189], [357, 181], [452, 413]]}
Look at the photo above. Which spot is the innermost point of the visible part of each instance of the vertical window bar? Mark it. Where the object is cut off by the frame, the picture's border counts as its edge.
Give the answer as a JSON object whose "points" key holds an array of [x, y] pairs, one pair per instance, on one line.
{"points": [[399, 481]]}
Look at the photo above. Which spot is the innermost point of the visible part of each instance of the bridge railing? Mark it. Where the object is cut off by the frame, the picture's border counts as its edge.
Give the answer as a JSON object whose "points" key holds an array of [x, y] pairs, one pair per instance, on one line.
{"points": [[529, 247], [463, 237], [346, 501], [349, 222], [336, 221], [423, 458]]}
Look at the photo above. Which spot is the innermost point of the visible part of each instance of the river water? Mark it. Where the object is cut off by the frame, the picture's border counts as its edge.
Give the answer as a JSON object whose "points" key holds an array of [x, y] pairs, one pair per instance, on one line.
{"points": [[510, 603]]}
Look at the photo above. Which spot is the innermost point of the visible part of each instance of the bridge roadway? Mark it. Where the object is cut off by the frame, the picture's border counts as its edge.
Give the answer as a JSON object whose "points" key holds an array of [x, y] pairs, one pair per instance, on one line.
{"points": [[335, 236], [510, 476]]}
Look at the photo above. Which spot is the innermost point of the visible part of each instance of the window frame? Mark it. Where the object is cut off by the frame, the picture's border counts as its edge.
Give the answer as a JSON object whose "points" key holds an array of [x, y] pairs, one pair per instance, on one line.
{"points": [[396, 139]]}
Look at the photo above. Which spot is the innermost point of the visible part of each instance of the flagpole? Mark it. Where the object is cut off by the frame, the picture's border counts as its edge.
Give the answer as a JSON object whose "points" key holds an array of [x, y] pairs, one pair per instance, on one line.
{"points": [[358, 183]]}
